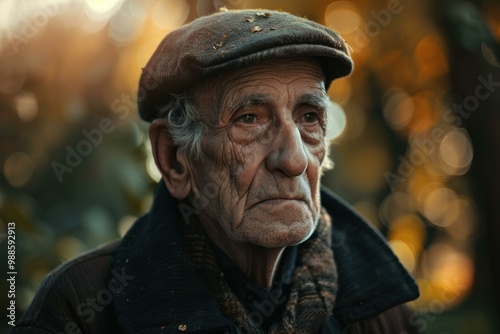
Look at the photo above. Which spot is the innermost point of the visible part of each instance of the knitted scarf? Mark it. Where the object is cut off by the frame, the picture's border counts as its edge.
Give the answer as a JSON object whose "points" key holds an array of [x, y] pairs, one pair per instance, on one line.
{"points": [[313, 283]]}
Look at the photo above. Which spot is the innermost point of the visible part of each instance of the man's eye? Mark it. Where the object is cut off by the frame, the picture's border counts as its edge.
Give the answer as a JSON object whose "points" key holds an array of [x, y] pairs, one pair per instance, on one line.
{"points": [[247, 118], [311, 117]]}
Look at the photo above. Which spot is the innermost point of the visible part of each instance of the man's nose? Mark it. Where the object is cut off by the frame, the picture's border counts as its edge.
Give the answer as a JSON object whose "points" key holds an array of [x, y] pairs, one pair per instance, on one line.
{"points": [[287, 151]]}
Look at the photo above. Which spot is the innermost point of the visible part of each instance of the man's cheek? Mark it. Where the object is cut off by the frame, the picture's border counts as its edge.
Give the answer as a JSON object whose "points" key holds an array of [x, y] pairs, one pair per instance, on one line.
{"points": [[236, 155], [316, 153], [320, 152], [242, 176]]}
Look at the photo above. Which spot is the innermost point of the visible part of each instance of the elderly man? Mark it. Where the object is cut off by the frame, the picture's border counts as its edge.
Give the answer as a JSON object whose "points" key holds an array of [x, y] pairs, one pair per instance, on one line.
{"points": [[240, 238]]}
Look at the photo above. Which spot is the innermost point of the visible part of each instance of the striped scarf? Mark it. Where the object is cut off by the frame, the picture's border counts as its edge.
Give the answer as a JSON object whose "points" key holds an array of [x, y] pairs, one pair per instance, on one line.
{"points": [[313, 283]]}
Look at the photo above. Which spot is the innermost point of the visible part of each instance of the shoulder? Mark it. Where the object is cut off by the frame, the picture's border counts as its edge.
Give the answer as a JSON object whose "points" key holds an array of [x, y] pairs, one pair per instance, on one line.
{"points": [[73, 296]]}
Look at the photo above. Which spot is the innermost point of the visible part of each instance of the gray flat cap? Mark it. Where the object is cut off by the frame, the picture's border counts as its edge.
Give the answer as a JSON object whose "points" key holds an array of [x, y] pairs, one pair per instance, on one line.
{"points": [[230, 40]]}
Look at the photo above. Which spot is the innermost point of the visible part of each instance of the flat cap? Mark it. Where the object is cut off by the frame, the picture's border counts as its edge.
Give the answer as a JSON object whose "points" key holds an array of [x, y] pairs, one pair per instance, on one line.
{"points": [[230, 40]]}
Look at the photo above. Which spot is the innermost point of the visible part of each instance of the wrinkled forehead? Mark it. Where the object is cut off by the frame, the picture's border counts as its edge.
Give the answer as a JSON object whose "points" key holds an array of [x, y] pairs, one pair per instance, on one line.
{"points": [[228, 88]]}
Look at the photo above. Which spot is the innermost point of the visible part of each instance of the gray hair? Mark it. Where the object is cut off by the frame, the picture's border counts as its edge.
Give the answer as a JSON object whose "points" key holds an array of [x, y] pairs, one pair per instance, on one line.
{"points": [[187, 127]]}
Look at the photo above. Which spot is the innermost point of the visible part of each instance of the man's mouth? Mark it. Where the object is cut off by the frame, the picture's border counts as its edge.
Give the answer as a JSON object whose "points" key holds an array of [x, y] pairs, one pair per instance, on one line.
{"points": [[278, 201]]}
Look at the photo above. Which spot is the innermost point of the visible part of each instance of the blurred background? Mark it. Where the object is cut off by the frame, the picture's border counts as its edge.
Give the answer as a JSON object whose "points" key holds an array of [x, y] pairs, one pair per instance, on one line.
{"points": [[417, 123]]}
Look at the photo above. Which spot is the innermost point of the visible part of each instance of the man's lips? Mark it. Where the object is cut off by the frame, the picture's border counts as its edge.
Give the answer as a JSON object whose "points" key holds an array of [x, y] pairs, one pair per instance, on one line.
{"points": [[277, 201]]}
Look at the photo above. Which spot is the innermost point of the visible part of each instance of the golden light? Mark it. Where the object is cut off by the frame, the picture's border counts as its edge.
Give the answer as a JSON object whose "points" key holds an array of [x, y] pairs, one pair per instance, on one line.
{"points": [[100, 7], [410, 229], [168, 15], [456, 152], [98, 14], [418, 180], [92, 25], [26, 106], [398, 108], [431, 57], [395, 205], [340, 91], [452, 216], [6, 10], [342, 16], [127, 71], [393, 68], [128, 23], [448, 273], [406, 237], [440, 206], [424, 192], [464, 224], [426, 114], [404, 254], [13, 74], [146, 50], [18, 169]]}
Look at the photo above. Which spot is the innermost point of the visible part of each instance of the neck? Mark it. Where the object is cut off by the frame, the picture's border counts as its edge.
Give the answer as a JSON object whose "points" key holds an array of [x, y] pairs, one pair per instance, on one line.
{"points": [[257, 262]]}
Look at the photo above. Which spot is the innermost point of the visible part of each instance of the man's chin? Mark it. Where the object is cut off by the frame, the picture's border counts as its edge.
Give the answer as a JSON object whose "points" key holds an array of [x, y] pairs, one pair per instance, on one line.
{"points": [[281, 235]]}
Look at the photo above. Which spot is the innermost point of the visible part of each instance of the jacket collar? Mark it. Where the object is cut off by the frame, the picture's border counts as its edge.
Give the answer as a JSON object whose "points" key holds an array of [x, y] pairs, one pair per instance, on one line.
{"points": [[371, 278], [167, 294]]}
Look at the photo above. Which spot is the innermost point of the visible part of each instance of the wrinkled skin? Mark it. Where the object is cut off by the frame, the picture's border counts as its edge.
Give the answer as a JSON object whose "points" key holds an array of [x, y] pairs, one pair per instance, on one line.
{"points": [[258, 182]]}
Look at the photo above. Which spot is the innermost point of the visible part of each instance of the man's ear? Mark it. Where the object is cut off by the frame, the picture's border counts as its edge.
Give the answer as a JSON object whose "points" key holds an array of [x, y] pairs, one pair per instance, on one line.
{"points": [[170, 161]]}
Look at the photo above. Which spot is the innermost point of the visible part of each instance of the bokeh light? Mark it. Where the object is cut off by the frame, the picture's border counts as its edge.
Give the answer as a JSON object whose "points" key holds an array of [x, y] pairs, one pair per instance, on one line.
{"points": [[336, 121], [99, 7], [168, 15], [431, 57], [439, 204], [342, 16], [18, 169], [456, 152], [398, 108], [413, 173]]}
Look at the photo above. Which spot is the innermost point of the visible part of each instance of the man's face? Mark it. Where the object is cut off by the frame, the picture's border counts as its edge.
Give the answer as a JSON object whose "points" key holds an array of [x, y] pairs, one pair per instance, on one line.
{"points": [[262, 152]]}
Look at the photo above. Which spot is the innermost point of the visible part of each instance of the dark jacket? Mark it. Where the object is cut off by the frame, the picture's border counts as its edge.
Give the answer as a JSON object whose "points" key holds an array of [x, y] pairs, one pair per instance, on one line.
{"points": [[145, 283]]}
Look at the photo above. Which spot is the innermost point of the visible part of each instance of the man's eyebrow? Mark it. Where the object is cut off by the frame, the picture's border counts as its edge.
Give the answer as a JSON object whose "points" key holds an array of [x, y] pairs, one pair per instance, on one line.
{"points": [[249, 100], [316, 100]]}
